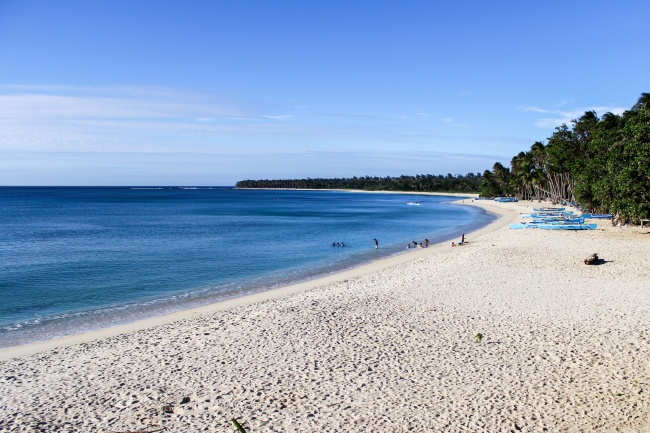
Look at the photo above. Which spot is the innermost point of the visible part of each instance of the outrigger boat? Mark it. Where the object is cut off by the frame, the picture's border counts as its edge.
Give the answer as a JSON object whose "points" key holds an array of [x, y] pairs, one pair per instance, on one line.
{"points": [[597, 215], [559, 221], [549, 214], [547, 226]]}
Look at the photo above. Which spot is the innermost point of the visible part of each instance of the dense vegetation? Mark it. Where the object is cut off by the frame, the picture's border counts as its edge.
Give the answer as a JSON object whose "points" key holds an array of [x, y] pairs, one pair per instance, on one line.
{"points": [[423, 183], [601, 163]]}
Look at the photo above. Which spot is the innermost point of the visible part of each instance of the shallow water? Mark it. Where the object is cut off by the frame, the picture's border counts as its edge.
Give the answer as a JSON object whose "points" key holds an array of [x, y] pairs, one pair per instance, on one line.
{"points": [[80, 259]]}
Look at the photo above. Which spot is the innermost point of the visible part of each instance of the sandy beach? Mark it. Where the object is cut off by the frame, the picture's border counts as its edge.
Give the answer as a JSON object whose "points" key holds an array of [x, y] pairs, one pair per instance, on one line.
{"points": [[388, 347]]}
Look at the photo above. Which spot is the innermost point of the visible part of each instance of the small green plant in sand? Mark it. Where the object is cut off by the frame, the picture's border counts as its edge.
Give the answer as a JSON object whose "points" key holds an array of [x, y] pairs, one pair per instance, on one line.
{"points": [[478, 337], [239, 427]]}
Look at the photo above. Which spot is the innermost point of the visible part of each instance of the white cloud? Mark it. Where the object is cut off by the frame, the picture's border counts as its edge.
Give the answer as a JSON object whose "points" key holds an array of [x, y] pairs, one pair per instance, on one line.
{"points": [[558, 117], [42, 105], [535, 109]]}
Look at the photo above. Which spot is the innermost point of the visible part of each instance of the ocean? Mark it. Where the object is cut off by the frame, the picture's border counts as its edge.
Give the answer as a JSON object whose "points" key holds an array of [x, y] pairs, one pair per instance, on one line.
{"points": [[80, 259]]}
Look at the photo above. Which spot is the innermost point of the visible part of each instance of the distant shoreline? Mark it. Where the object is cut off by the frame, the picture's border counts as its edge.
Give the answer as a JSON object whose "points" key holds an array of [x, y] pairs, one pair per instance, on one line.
{"points": [[450, 194]]}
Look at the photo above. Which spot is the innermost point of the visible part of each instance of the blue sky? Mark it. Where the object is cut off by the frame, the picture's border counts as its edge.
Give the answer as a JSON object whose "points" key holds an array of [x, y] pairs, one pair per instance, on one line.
{"points": [[211, 92]]}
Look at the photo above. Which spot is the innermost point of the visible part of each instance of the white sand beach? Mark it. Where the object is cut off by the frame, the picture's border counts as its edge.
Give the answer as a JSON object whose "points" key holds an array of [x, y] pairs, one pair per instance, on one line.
{"points": [[389, 347]]}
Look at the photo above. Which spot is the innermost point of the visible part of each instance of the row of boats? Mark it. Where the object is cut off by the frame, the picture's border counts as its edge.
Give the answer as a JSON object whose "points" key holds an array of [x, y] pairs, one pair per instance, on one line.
{"points": [[558, 218]]}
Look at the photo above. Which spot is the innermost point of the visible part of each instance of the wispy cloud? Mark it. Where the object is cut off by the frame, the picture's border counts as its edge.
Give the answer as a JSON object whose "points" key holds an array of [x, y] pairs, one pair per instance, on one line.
{"points": [[452, 122], [128, 126], [558, 117], [535, 109], [19, 102]]}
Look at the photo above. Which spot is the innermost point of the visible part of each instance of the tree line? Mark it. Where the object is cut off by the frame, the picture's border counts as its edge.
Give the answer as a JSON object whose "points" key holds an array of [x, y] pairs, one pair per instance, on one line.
{"points": [[597, 163], [469, 183]]}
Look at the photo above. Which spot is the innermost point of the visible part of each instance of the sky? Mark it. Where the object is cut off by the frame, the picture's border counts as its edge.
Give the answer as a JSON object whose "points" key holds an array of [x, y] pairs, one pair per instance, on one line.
{"points": [[123, 92]]}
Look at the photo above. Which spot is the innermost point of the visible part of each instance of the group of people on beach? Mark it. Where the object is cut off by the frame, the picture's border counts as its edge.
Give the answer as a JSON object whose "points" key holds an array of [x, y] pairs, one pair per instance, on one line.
{"points": [[462, 241], [409, 246], [338, 244], [418, 245]]}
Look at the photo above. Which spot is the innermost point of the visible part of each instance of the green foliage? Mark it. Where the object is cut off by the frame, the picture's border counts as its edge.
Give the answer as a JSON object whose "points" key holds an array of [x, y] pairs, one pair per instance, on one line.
{"points": [[489, 187], [599, 163], [469, 183], [238, 426], [630, 166]]}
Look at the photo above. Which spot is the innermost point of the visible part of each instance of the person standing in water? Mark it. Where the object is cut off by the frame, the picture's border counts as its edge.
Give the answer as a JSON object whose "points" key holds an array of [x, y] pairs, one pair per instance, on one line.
{"points": [[376, 244]]}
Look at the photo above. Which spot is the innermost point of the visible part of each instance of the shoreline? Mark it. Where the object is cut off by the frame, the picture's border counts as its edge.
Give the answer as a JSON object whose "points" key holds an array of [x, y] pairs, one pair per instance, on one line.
{"points": [[274, 293], [450, 194], [564, 347]]}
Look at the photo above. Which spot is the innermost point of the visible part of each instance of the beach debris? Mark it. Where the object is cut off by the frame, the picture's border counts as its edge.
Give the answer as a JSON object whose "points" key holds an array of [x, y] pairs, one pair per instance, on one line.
{"points": [[239, 427], [168, 408], [591, 259], [478, 337], [185, 400], [151, 429]]}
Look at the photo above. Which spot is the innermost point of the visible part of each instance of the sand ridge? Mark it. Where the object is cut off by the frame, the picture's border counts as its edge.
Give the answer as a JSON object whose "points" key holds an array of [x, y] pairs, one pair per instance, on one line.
{"points": [[390, 348]]}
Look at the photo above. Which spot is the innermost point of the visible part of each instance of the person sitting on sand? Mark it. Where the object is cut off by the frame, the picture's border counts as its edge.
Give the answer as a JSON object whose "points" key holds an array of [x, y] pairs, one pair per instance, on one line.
{"points": [[426, 243], [453, 244]]}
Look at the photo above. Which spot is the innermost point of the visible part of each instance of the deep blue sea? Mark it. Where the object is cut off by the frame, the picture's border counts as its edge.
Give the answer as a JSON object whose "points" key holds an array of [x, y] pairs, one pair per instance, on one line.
{"points": [[80, 259]]}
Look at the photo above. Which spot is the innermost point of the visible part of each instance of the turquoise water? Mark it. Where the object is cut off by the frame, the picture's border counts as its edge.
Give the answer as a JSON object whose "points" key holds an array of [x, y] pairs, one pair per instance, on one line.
{"points": [[80, 259]]}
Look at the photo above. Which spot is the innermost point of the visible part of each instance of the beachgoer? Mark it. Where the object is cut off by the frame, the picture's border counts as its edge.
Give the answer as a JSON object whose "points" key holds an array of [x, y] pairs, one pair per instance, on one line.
{"points": [[415, 243], [462, 240], [420, 245], [342, 244], [376, 244], [453, 244], [408, 246], [426, 243]]}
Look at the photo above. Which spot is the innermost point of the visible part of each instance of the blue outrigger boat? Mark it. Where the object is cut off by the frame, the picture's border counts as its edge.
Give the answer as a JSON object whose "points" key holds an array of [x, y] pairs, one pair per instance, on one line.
{"points": [[550, 226], [558, 221], [597, 215], [548, 209], [549, 214]]}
